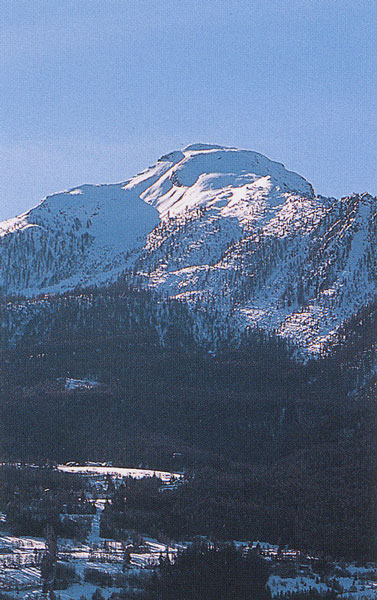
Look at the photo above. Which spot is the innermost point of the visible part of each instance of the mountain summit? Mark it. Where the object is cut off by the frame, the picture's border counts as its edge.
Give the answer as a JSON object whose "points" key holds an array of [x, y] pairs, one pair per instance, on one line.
{"points": [[225, 228]]}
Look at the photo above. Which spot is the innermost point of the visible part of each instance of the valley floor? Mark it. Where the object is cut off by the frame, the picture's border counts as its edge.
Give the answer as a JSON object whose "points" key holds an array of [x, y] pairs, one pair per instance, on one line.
{"points": [[109, 565]]}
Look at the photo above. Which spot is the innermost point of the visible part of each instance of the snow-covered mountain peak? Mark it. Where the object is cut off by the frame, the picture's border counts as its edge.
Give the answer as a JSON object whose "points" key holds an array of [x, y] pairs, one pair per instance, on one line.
{"points": [[86, 234], [212, 176], [227, 229], [206, 147]]}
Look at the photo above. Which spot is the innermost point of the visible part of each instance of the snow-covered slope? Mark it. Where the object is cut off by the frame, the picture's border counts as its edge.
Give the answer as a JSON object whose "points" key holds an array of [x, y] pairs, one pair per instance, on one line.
{"points": [[225, 228], [73, 238], [237, 183]]}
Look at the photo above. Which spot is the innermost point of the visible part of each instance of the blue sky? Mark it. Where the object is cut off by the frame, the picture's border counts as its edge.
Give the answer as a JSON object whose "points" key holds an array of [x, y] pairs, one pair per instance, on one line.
{"points": [[93, 91]]}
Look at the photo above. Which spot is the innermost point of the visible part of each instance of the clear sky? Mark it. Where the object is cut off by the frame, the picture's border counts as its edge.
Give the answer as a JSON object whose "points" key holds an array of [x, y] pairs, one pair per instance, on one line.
{"points": [[93, 91]]}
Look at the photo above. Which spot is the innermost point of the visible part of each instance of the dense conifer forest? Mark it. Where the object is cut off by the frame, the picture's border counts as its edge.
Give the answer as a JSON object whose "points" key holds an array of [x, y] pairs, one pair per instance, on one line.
{"points": [[284, 449]]}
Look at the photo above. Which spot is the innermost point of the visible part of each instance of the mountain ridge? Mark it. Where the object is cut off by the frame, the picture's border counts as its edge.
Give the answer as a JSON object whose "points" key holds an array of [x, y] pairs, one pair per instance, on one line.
{"points": [[228, 229]]}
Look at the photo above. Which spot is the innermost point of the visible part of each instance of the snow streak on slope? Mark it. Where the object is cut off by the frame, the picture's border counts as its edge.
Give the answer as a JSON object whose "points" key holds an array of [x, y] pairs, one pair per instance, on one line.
{"points": [[223, 229]]}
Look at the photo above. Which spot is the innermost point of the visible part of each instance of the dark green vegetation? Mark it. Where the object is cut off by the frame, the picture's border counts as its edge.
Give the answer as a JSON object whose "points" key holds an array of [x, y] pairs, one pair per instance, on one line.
{"points": [[303, 501], [36, 499], [274, 449], [211, 574]]}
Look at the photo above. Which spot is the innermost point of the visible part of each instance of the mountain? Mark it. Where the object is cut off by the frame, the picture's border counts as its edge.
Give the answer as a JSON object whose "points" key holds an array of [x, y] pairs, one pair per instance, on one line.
{"points": [[183, 292], [221, 230]]}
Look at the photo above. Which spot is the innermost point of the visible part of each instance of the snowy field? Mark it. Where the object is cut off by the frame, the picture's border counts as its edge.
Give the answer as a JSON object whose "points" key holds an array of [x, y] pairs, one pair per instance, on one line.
{"points": [[119, 472]]}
